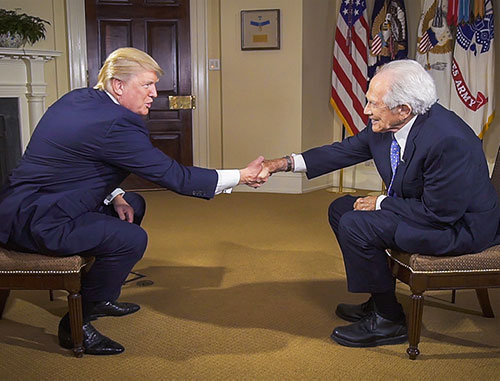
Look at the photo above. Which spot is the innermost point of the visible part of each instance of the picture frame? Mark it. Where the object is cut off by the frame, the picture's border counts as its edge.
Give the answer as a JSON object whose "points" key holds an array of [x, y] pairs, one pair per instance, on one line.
{"points": [[260, 29]]}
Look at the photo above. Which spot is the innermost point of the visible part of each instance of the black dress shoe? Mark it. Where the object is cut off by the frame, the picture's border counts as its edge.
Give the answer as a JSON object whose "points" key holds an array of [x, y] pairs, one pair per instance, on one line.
{"points": [[113, 309], [94, 342], [371, 331], [355, 312]]}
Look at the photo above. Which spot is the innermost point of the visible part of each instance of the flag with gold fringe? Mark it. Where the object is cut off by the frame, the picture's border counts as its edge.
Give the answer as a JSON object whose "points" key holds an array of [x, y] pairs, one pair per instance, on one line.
{"points": [[435, 46], [349, 71], [389, 34], [473, 71]]}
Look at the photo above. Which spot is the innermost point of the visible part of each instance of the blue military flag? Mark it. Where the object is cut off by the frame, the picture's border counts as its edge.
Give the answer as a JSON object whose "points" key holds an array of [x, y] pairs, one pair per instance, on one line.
{"points": [[389, 34]]}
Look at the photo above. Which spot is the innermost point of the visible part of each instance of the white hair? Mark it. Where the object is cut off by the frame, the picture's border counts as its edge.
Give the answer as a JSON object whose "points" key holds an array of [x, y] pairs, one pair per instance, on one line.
{"points": [[410, 84]]}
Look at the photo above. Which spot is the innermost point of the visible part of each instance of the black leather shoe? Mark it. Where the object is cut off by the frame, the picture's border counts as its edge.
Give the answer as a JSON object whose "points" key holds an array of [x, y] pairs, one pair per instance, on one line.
{"points": [[113, 309], [371, 331], [94, 342], [355, 312]]}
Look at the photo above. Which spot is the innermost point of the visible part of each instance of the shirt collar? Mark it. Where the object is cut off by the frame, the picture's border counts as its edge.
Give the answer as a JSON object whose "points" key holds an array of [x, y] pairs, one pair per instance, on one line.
{"points": [[114, 99], [402, 134]]}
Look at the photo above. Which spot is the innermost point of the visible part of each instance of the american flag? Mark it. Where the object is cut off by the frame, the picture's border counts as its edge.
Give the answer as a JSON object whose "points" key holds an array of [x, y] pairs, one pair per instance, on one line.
{"points": [[376, 47], [428, 41], [350, 70]]}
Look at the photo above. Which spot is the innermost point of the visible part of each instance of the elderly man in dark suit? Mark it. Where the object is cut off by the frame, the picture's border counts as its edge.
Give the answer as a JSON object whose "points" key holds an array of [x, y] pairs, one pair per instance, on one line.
{"points": [[61, 199], [440, 199]]}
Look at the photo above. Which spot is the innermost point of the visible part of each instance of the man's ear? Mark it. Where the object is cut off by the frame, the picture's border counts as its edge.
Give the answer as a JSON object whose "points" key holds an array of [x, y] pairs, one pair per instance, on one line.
{"points": [[405, 111], [117, 86]]}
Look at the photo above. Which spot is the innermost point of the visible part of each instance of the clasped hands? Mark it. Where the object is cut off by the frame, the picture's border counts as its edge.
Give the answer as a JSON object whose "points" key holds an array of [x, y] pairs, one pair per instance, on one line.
{"points": [[258, 171]]}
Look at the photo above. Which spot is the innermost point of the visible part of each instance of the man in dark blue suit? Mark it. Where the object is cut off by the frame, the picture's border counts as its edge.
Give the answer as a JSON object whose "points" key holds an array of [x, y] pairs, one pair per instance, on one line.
{"points": [[61, 199], [440, 199]]}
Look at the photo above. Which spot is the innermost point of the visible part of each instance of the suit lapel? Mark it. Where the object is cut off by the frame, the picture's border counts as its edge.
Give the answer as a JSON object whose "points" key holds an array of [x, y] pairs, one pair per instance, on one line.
{"points": [[408, 152], [412, 136]]}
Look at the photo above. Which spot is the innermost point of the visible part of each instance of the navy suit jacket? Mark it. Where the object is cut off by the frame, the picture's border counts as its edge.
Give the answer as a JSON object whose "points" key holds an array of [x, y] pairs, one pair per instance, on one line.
{"points": [[83, 147], [445, 200]]}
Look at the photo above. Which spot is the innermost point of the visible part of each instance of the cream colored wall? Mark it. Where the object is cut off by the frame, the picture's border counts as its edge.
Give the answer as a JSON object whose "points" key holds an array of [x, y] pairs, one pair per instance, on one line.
{"points": [[54, 11], [244, 72], [214, 85], [267, 102], [317, 114], [261, 90]]}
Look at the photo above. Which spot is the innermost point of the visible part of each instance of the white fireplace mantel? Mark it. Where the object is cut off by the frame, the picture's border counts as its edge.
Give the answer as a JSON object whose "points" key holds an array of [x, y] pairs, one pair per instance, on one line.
{"points": [[22, 76]]}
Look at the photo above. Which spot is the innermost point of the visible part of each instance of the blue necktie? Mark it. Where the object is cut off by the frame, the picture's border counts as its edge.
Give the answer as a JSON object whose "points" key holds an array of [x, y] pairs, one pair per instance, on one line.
{"points": [[395, 149]]}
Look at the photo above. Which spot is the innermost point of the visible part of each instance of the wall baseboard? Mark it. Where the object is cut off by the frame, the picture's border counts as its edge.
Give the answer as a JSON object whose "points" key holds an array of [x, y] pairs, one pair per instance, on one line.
{"points": [[292, 183]]}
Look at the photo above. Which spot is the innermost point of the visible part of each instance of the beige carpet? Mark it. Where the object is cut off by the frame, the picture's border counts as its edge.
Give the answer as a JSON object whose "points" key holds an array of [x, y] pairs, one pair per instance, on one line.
{"points": [[244, 288]]}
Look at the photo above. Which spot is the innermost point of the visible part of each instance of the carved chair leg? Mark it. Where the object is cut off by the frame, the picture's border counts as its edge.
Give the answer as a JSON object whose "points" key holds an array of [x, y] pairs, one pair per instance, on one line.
{"points": [[484, 302], [76, 323], [415, 325], [4, 294]]}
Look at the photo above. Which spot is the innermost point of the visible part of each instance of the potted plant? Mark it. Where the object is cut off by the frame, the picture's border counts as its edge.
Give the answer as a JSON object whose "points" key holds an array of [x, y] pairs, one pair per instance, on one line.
{"points": [[17, 29]]}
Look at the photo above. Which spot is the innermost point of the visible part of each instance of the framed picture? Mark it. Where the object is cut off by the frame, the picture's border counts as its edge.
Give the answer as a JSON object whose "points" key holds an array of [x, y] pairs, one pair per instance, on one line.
{"points": [[260, 29]]}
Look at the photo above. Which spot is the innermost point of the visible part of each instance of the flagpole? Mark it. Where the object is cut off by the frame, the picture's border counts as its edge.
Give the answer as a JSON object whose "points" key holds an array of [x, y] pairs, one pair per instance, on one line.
{"points": [[340, 189]]}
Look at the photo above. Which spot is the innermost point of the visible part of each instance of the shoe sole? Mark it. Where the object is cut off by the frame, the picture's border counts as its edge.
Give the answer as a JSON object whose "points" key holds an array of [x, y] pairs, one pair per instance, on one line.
{"points": [[69, 345], [384, 341]]}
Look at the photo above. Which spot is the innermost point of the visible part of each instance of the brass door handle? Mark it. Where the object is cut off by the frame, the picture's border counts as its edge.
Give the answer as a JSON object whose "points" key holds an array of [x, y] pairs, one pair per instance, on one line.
{"points": [[181, 102]]}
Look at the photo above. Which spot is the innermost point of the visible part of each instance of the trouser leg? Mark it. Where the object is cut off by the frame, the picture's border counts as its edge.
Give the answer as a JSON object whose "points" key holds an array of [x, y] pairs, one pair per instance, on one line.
{"points": [[116, 245], [116, 255], [122, 246], [363, 238], [337, 209]]}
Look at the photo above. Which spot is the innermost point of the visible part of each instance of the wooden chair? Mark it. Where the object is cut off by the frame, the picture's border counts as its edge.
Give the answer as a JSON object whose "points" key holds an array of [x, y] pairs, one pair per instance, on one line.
{"points": [[478, 271], [23, 271]]}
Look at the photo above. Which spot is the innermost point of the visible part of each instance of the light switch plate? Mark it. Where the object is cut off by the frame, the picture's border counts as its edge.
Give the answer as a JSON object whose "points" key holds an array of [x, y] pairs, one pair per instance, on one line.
{"points": [[214, 64]]}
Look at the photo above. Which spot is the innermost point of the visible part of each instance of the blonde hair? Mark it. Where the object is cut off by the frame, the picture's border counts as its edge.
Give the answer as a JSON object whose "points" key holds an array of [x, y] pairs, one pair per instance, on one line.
{"points": [[124, 63]]}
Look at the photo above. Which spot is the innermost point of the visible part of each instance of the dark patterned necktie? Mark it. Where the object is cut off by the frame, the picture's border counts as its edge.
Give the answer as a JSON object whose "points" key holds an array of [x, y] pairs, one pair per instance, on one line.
{"points": [[395, 149]]}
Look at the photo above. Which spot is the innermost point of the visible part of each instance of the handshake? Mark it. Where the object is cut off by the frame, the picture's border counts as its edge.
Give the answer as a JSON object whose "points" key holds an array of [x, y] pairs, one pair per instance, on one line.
{"points": [[258, 171]]}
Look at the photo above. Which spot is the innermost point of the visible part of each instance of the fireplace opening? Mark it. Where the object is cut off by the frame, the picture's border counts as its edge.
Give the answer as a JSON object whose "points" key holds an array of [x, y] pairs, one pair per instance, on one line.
{"points": [[10, 137]]}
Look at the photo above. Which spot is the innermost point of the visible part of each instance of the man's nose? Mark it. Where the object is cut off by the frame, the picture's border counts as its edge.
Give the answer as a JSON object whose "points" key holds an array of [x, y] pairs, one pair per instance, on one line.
{"points": [[153, 93], [366, 110]]}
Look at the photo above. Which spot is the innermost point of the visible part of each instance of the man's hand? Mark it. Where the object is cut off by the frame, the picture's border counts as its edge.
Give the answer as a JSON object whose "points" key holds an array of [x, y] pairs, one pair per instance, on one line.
{"points": [[123, 209], [250, 174], [365, 203], [272, 166], [275, 165]]}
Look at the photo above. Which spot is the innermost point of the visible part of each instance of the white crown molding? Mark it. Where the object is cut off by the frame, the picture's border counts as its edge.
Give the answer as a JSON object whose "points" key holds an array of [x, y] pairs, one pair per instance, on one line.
{"points": [[32, 54]]}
